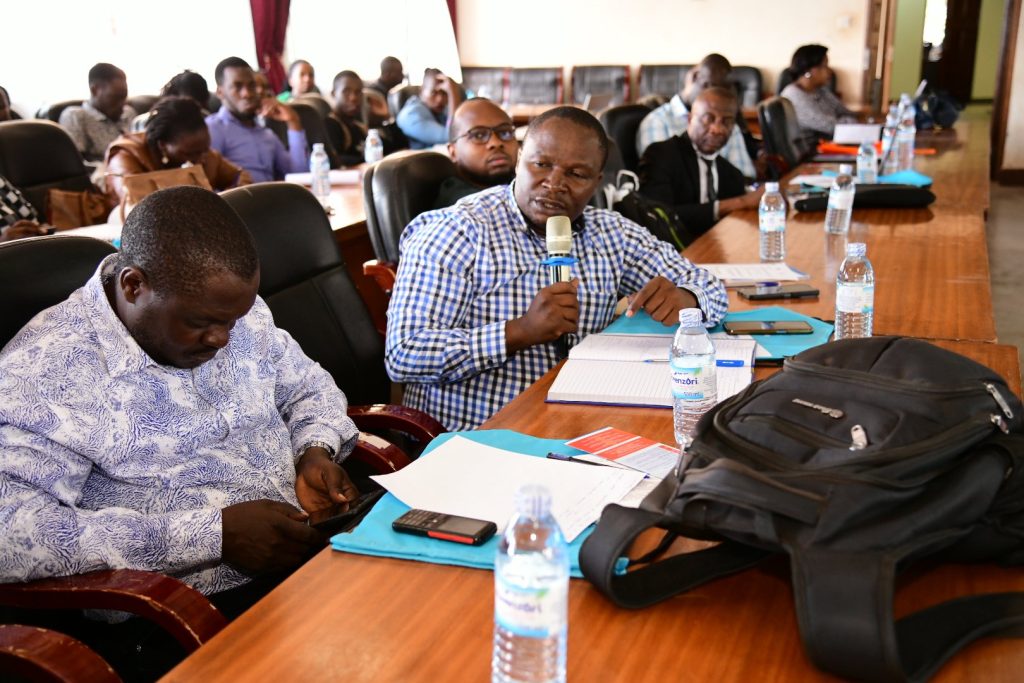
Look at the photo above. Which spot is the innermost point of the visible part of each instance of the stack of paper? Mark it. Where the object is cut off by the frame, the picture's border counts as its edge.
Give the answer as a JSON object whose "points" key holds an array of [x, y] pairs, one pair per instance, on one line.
{"points": [[742, 274], [633, 370], [611, 446]]}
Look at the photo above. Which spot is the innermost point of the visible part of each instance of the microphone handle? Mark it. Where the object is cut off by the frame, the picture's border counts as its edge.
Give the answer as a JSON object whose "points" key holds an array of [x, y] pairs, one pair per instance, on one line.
{"points": [[561, 274]]}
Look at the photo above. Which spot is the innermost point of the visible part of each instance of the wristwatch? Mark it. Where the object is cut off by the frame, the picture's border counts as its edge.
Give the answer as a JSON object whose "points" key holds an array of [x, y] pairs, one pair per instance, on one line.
{"points": [[319, 444]]}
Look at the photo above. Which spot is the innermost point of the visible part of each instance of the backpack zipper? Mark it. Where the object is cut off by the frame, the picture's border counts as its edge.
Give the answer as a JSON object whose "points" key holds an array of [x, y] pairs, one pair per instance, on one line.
{"points": [[860, 377], [994, 390]]}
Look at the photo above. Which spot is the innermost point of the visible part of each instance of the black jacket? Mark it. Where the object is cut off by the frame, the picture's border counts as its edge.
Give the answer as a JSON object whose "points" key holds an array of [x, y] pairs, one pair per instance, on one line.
{"points": [[670, 173]]}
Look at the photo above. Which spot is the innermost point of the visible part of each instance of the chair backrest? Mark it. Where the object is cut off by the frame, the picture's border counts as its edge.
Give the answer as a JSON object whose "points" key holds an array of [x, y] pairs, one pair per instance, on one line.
{"points": [[305, 283], [599, 80], [399, 95], [396, 190], [780, 131], [535, 86], [53, 111], [662, 79], [313, 124], [621, 124], [39, 272], [214, 106], [142, 103], [38, 155], [749, 85], [487, 81], [322, 106]]}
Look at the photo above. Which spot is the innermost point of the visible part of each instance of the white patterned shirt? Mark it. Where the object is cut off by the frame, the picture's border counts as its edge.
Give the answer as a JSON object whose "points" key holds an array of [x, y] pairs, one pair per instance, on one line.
{"points": [[109, 460], [672, 118], [466, 270], [92, 131]]}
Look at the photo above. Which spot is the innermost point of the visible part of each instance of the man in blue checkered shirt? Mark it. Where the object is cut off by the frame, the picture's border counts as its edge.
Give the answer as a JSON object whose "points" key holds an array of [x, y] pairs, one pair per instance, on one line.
{"points": [[473, 319]]}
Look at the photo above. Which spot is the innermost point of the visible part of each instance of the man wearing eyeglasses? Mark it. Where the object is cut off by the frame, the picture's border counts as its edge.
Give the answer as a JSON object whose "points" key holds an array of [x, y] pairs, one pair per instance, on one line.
{"points": [[482, 143], [424, 118]]}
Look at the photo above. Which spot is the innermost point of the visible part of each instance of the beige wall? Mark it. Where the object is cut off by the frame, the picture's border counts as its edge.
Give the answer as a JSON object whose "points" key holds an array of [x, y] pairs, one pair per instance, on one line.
{"points": [[986, 56], [1013, 151], [567, 32], [906, 50]]}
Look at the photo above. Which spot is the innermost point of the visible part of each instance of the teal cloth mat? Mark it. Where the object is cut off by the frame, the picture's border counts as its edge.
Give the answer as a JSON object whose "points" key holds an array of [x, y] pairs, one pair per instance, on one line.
{"points": [[374, 535], [907, 177], [779, 346]]}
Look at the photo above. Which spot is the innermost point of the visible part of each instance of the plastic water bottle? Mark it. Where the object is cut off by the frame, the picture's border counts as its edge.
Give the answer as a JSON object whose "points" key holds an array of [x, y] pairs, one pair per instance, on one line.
{"points": [[867, 164], [906, 132], [855, 294], [531, 594], [694, 386], [891, 159], [373, 150], [771, 217], [840, 202], [320, 172]]}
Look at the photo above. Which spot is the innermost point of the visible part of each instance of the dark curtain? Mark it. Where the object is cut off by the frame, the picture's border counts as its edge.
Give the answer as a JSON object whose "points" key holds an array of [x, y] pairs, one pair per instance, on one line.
{"points": [[269, 21], [452, 12]]}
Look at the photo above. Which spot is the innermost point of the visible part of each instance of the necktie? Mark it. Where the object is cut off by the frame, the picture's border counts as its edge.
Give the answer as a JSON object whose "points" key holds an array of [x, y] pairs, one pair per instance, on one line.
{"points": [[710, 179]]}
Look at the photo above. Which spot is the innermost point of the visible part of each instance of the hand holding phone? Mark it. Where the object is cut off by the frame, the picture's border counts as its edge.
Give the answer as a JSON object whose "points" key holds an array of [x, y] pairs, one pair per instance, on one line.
{"points": [[445, 527], [343, 516]]}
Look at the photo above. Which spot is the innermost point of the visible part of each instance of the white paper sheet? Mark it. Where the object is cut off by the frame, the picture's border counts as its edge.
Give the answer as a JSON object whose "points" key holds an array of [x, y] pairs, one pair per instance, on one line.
{"points": [[464, 478], [856, 133], [736, 274], [338, 176]]}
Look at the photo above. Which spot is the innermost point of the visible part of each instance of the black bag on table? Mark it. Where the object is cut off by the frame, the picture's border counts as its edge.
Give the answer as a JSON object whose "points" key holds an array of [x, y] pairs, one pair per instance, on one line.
{"points": [[661, 220], [859, 457]]}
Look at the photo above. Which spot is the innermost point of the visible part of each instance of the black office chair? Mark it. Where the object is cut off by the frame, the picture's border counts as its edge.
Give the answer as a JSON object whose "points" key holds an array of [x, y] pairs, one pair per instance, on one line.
{"points": [[214, 104], [36, 156], [142, 103], [322, 106], [783, 142], [304, 282], [313, 124], [52, 112], [395, 191], [535, 86], [486, 81], [749, 85], [601, 80], [399, 95], [662, 79], [621, 124]]}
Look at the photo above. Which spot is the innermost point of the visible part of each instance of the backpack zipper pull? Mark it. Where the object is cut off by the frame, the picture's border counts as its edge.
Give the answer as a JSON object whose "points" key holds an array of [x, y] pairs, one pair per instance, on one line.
{"points": [[1003, 405], [859, 437], [998, 421]]}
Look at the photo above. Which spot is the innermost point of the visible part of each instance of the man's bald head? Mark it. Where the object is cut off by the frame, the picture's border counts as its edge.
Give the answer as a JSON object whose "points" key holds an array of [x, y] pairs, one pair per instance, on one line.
{"points": [[712, 71]]}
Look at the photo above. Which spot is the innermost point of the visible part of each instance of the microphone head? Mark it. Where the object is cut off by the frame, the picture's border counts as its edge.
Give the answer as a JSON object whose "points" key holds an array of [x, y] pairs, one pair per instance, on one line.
{"points": [[558, 233]]}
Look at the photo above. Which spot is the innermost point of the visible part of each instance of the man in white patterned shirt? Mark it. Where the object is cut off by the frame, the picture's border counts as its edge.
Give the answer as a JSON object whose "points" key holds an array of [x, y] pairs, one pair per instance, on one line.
{"points": [[102, 118], [472, 319], [157, 419], [672, 118]]}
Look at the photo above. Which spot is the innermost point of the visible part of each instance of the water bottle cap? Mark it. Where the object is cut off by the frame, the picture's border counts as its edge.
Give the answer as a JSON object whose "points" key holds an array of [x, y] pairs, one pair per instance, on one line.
{"points": [[690, 317], [318, 146], [845, 169], [533, 500], [771, 187], [866, 146], [856, 249]]}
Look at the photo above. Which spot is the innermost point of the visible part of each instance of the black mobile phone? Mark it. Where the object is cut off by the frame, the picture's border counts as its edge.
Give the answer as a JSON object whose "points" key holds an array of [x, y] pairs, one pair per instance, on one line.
{"points": [[792, 291], [768, 327], [343, 516], [445, 527]]}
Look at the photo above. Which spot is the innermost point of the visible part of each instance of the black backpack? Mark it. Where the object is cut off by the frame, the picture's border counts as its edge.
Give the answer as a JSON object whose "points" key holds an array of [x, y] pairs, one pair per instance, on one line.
{"points": [[660, 219], [859, 457]]}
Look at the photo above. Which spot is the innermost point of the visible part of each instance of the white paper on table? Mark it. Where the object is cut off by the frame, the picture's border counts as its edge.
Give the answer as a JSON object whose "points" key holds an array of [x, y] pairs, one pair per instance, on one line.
{"points": [[824, 181], [461, 477], [856, 133], [735, 274], [338, 176], [759, 351]]}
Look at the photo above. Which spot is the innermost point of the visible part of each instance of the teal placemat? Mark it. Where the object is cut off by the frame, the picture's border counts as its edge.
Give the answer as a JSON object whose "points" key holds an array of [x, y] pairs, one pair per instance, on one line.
{"points": [[374, 535], [907, 177]]}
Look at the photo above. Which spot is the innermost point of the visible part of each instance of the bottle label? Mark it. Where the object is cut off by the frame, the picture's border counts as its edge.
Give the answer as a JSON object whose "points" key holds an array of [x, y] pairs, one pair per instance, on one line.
{"points": [[855, 298], [840, 200], [693, 384], [772, 221], [531, 612]]}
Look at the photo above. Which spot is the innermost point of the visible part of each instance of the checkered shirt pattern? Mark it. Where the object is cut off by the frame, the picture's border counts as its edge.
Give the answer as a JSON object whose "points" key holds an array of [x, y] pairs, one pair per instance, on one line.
{"points": [[13, 205], [466, 270]]}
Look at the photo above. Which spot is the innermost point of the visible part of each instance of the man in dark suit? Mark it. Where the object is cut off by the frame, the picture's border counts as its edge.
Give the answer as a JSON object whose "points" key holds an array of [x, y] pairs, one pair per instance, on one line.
{"points": [[688, 173]]}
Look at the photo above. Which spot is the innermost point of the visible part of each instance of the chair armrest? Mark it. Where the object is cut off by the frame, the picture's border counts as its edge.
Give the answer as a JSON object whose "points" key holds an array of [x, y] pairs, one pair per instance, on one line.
{"points": [[379, 454], [177, 608], [380, 416], [383, 272], [39, 654]]}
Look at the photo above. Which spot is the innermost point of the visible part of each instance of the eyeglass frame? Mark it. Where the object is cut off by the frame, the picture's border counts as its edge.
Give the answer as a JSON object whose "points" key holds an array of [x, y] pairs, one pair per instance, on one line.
{"points": [[492, 131]]}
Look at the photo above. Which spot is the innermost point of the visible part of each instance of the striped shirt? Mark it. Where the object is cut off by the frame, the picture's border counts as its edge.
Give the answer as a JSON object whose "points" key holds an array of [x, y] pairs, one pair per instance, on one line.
{"points": [[468, 269]]}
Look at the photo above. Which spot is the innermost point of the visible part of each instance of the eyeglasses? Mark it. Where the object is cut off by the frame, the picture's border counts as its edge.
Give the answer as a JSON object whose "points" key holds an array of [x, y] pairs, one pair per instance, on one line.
{"points": [[481, 135]]}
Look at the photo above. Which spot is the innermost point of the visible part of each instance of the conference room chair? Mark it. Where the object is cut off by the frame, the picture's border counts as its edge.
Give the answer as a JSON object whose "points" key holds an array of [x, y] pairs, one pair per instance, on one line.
{"points": [[601, 80], [749, 85], [785, 79], [662, 79], [214, 105], [535, 86], [52, 112], [313, 123], [399, 95], [784, 145], [36, 156], [25, 655], [305, 283], [395, 191], [36, 273], [322, 106], [142, 103], [486, 81], [621, 124]]}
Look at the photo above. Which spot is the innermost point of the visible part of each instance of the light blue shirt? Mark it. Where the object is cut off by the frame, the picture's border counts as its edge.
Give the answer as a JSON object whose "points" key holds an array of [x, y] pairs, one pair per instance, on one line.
{"points": [[671, 119], [466, 270], [423, 127], [256, 148], [110, 460]]}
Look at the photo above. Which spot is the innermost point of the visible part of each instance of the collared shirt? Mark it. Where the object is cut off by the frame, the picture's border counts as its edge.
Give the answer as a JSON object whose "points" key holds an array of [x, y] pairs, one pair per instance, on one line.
{"points": [[422, 126], [672, 118], [92, 131], [256, 148], [467, 270], [111, 460]]}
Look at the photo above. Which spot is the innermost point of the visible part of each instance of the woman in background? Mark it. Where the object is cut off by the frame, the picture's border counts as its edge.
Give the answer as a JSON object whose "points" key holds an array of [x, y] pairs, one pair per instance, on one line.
{"points": [[817, 107]]}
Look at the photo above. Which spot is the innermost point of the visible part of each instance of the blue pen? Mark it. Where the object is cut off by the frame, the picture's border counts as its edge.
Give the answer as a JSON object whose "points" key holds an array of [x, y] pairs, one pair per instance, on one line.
{"points": [[729, 363], [568, 458]]}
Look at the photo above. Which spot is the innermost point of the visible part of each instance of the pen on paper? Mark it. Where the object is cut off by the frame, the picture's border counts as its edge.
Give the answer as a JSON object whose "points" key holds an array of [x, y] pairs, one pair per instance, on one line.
{"points": [[568, 458]]}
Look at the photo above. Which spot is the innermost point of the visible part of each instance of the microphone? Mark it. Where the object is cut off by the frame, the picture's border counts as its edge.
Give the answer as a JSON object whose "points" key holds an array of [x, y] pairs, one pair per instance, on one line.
{"points": [[558, 234]]}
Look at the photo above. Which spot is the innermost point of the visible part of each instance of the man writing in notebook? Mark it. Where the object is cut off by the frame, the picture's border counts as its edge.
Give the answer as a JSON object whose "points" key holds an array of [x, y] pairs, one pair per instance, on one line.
{"points": [[473, 319]]}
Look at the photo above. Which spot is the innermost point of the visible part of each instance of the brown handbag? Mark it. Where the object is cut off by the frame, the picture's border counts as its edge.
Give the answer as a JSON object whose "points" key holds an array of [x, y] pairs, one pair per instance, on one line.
{"points": [[70, 209], [138, 186]]}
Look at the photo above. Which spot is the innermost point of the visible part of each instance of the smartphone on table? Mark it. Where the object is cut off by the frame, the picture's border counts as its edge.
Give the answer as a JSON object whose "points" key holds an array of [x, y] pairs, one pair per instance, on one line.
{"points": [[445, 527], [766, 292], [768, 327]]}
